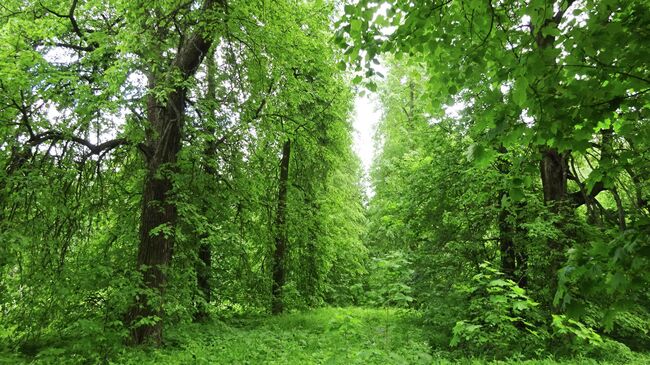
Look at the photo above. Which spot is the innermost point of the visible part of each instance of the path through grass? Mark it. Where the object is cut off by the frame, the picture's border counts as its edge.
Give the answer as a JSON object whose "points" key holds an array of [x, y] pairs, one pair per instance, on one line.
{"points": [[323, 336]]}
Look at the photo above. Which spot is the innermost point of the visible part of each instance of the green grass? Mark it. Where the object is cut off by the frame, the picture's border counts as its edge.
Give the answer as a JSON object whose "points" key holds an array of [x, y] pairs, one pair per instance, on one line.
{"points": [[323, 336]]}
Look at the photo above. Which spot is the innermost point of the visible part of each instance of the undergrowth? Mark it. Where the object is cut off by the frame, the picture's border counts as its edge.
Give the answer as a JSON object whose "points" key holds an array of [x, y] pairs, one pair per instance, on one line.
{"points": [[322, 336]]}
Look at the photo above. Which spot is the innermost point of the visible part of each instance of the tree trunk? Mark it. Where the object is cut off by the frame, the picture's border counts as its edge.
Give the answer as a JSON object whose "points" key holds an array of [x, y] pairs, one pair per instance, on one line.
{"points": [[203, 279], [158, 215], [281, 232], [554, 172], [522, 268]]}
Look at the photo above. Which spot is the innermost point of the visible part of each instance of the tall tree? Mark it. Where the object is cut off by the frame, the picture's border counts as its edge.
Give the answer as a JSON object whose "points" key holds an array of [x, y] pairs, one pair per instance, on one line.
{"points": [[165, 117], [280, 249], [535, 61]]}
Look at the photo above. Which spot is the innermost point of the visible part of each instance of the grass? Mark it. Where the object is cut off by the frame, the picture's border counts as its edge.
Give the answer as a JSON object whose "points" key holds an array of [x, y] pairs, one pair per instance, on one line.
{"points": [[323, 336]]}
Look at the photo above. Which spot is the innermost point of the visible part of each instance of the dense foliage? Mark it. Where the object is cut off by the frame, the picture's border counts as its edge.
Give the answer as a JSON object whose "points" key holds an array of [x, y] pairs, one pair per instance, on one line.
{"points": [[172, 173], [141, 180], [513, 140]]}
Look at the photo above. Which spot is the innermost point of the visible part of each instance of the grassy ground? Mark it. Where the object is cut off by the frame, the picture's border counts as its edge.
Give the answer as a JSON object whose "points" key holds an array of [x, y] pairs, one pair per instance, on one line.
{"points": [[324, 336]]}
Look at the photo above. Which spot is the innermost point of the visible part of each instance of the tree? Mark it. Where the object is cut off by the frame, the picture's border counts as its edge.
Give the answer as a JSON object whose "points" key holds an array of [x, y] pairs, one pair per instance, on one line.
{"points": [[542, 59]]}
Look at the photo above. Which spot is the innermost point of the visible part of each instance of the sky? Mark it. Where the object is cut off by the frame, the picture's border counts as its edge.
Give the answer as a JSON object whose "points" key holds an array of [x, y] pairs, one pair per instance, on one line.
{"points": [[366, 116], [367, 113]]}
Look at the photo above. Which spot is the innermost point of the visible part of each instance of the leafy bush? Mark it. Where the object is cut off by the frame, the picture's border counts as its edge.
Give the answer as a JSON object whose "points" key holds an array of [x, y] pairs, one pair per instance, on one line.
{"points": [[500, 319], [389, 281]]}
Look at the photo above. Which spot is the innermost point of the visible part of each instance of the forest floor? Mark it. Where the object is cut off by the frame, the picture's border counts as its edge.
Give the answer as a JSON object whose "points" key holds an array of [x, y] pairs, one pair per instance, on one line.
{"points": [[324, 336]]}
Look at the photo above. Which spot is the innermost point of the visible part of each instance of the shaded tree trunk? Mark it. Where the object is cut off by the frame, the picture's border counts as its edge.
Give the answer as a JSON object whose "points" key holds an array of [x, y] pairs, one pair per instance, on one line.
{"points": [[514, 264], [554, 170], [203, 279], [279, 256], [158, 215], [522, 267], [553, 164]]}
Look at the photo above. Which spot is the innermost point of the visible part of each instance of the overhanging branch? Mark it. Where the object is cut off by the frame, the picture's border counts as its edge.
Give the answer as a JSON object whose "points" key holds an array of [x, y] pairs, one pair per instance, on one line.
{"points": [[94, 149]]}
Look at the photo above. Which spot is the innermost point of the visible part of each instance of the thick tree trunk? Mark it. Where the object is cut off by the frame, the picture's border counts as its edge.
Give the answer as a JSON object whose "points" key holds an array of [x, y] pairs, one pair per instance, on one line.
{"points": [[554, 172], [553, 165], [279, 255], [203, 279], [158, 215]]}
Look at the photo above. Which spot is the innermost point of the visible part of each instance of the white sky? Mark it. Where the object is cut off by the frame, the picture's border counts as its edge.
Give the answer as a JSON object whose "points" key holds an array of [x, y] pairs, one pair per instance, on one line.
{"points": [[367, 113]]}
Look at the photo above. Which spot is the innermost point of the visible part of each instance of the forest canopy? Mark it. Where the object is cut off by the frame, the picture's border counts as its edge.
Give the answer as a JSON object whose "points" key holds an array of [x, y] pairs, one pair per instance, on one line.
{"points": [[180, 176]]}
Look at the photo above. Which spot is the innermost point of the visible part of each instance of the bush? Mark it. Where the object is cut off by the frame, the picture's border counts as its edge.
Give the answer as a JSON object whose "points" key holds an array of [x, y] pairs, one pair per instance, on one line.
{"points": [[500, 318], [389, 281]]}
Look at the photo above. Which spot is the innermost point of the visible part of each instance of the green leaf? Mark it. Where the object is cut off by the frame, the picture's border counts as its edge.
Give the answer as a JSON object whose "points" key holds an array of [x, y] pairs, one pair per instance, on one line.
{"points": [[355, 27], [551, 30], [519, 92], [516, 193], [479, 155], [498, 282]]}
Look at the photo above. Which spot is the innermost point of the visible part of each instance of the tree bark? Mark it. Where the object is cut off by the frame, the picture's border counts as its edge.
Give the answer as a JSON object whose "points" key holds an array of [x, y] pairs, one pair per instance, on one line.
{"points": [[279, 256], [158, 214], [203, 279], [553, 164], [508, 251], [554, 172]]}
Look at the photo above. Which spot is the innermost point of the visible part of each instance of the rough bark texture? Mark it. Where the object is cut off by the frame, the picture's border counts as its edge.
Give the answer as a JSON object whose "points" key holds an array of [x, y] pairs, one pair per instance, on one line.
{"points": [[554, 171], [281, 232], [155, 249], [158, 215]]}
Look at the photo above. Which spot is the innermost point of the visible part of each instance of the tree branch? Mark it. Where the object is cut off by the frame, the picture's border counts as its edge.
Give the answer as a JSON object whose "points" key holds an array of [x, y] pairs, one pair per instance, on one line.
{"points": [[95, 149]]}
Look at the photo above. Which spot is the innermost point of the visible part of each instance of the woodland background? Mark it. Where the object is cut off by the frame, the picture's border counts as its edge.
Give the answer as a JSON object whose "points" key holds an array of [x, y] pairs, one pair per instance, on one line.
{"points": [[178, 184]]}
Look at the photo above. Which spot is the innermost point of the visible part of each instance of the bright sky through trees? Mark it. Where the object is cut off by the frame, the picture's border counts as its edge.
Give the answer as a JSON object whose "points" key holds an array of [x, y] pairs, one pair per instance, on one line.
{"points": [[367, 113]]}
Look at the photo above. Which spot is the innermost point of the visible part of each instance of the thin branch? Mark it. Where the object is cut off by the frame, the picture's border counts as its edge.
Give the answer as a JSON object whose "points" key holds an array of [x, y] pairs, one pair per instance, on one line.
{"points": [[602, 66]]}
